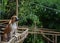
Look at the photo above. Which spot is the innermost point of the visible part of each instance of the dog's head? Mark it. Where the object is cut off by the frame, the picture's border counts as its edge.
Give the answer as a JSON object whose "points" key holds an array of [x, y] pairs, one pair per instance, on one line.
{"points": [[15, 18]]}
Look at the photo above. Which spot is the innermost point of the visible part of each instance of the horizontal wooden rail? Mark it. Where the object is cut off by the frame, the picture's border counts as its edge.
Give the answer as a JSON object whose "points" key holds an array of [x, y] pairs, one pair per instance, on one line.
{"points": [[4, 21], [45, 32]]}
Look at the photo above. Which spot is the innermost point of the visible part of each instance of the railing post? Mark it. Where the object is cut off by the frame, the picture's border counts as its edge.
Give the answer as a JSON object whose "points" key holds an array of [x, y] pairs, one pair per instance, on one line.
{"points": [[55, 38], [0, 38]]}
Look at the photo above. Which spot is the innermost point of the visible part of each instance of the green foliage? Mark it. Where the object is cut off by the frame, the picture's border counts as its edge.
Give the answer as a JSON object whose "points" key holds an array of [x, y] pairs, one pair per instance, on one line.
{"points": [[2, 7], [7, 8], [27, 11], [49, 17], [30, 39], [33, 11]]}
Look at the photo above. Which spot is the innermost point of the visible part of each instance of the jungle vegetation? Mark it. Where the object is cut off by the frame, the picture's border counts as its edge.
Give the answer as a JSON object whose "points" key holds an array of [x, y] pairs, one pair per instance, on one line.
{"points": [[45, 13]]}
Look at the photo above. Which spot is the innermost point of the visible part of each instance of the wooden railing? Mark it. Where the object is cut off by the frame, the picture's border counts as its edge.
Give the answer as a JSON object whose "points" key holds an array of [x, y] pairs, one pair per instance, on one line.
{"points": [[23, 32], [19, 36], [4, 21], [47, 32]]}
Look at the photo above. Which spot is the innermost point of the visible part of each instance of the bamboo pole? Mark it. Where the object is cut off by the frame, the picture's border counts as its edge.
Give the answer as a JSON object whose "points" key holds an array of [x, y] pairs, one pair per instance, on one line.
{"points": [[16, 7], [34, 34]]}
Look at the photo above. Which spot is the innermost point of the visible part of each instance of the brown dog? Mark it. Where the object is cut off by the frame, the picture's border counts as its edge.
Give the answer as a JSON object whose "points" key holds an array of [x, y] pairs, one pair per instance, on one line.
{"points": [[10, 28]]}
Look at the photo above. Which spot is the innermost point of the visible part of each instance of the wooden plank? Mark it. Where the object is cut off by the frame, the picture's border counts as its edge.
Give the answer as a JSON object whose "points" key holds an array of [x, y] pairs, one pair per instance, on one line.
{"points": [[4, 21]]}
